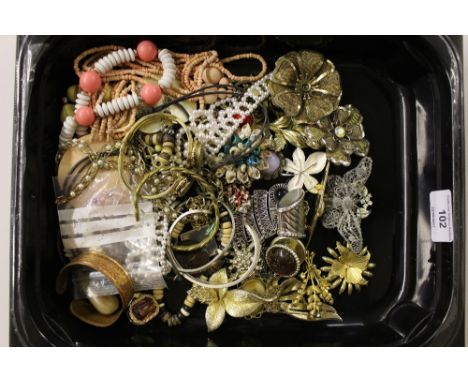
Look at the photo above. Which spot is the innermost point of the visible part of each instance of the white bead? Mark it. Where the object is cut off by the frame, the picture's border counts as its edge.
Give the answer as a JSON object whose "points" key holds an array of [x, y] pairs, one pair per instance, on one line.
{"points": [[169, 69], [67, 132], [120, 103], [111, 108], [99, 111], [170, 66], [81, 131], [135, 98], [105, 108], [126, 103], [114, 58], [82, 99], [117, 105], [164, 83]]}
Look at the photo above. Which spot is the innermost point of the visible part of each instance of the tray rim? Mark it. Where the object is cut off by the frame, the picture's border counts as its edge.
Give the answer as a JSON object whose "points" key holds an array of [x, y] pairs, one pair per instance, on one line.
{"points": [[444, 334]]}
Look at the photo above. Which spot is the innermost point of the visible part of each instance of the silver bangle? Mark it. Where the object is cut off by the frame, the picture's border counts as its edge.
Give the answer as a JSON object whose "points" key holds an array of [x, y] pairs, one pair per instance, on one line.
{"points": [[245, 275], [172, 257]]}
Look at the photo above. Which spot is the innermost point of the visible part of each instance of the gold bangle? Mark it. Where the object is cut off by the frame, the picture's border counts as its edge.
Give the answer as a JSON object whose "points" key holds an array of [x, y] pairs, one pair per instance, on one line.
{"points": [[117, 275], [137, 126], [195, 155], [211, 234]]}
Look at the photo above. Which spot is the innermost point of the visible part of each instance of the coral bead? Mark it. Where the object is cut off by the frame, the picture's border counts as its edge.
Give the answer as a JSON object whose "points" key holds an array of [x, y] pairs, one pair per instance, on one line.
{"points": [[90, 81], [147, 50], [85, 116], [150, 94]]}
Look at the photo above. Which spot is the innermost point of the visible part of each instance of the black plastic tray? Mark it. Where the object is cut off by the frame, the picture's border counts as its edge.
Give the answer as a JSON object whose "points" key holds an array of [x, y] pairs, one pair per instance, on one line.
{"points": [[409, 90]]}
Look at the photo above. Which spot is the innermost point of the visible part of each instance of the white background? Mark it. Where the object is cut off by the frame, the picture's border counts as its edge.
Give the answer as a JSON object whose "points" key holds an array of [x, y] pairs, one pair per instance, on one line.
{"points": [[7, 61], [7, 65]]}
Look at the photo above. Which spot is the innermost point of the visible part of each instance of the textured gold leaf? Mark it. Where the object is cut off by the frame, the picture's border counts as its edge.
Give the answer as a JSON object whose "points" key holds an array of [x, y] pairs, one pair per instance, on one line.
{"points": [[203, 295], [242, 302], [342, 115], [294, 138], [214, 315], [239, 303], [280, 142], [346, 146], [328, 312], [254, 286], [220, 277]]}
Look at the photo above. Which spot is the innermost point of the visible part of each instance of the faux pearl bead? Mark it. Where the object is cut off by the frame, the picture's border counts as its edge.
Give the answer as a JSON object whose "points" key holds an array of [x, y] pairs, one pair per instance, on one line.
{"points": [[340, 132], [150, 94], [147, 50], [273, 162], [85, 116], [211, 75], [90, 81]]}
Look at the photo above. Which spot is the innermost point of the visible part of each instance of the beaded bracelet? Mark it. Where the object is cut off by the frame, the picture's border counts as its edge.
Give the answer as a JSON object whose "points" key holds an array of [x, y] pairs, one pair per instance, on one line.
{"points": [[169, 318]]}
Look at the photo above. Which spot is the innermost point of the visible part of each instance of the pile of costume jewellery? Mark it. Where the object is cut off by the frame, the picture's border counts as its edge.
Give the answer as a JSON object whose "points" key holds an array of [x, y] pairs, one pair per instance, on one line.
{"points": [[169, 166]]}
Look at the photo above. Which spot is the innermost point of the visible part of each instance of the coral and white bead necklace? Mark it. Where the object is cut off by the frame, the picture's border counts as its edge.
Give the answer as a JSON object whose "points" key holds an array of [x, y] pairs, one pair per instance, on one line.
{"points": [[90, 82]]}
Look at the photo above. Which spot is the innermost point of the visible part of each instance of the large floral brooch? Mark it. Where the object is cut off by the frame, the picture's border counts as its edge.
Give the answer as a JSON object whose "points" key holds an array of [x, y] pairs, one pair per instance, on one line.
{"points": [[305, 86]]}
